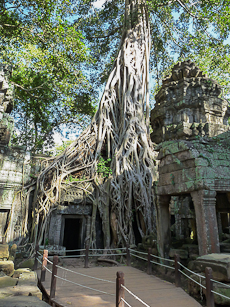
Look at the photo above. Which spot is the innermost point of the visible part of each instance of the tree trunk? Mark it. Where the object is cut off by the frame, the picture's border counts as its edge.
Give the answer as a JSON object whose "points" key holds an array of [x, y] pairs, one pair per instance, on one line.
{"points": [[120, 188]]}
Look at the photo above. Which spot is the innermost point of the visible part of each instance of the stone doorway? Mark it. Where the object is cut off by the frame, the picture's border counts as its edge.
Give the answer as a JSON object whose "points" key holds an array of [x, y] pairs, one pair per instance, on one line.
{"points": [[72, 234]]}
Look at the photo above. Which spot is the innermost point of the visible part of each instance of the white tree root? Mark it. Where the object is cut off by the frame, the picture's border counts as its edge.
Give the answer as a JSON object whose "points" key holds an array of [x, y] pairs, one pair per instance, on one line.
{"points": [[119, 131]]}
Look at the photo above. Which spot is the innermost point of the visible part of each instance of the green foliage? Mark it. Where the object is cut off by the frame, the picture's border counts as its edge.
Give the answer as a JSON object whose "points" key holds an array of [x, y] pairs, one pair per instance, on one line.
{"points": [[186, 30], [60, 148], [72, 179], [49, 57], [33, 176], [180, 30], [52, 44], [103, 167]]}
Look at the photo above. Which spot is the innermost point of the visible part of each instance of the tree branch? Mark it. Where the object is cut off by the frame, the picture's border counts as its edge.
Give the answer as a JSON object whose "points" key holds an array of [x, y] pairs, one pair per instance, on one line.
{"points": [[185, 7], [111, 33], [28, 90]]}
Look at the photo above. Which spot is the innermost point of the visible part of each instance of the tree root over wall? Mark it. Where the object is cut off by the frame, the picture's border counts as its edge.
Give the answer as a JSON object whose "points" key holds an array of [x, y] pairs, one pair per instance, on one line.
{"points": [[112, 163]]}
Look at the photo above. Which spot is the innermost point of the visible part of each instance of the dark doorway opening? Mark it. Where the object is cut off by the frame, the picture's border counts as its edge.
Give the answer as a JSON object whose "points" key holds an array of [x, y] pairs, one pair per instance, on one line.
{"points": [[99, 231], [72, 235], [138, 238]]}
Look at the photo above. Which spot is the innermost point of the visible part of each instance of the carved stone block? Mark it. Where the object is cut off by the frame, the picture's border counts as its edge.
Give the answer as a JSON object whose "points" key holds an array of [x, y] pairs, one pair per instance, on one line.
{"points": [[188, 105]]}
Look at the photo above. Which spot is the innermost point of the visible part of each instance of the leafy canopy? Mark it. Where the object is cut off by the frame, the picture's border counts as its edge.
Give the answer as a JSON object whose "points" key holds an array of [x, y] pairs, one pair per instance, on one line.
{"points": [[49, 57], [180, 30], [54, 74]]}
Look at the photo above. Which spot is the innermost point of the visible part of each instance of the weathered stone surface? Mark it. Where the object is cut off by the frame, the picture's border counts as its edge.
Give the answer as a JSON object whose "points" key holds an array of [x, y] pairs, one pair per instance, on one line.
{"points": [[189, 122], [27, 290], [225, 247], [224, 290], [4, 251], [6, 98], [191, 248], [209, 171], [188, 105], [26, 286], [220, 264], [18, 291], [183, 254], [193, 256], [12, 252], [193, 288], [27, 264], [15, 164], [28, 277], [2, 274], [22, 301], [7, 267], [7, 281], [18, 272], [196, 291], [149, 241], [6, 90], [11, 174]]}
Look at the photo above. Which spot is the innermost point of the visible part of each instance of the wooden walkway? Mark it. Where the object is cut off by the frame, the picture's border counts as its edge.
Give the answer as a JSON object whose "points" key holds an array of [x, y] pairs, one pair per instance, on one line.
{"points": [[152, 290]]}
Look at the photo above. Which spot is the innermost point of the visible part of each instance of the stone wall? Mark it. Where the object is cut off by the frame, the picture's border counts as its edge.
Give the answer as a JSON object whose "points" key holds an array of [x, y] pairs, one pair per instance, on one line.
{"points": [[14, 172], [186, 166], [57, 222], [16, 166], [189, 122]]}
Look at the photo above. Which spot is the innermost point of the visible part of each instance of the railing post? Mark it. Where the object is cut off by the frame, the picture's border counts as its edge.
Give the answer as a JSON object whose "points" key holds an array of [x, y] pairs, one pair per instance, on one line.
{"points": [[177, 272], [149, 267], [3, 240], [36, 257], [120, 292], [44, 264], [128, 259], [53, 278], [209, 288], [86, 256]]}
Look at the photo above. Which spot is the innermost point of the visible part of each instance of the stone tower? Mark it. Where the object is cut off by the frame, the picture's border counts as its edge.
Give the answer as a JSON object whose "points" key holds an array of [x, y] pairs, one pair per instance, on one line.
{"points": [[187, 105]]}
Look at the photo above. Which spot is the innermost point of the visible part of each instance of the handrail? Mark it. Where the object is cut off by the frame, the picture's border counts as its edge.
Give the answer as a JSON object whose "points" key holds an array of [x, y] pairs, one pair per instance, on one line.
{"points": [[164, 265], [177, 264], [170, 260], [135, 296], [138, 257], [142, 253], [220, 283], [184, 267], [222, 295], [85, 275], [72, 256], [72, 282], [192, 279]]}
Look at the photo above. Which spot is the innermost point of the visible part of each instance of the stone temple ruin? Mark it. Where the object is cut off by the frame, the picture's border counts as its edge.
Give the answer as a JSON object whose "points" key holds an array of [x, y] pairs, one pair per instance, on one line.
{"points": [[192, 138], [190, 124], [16, 166]]}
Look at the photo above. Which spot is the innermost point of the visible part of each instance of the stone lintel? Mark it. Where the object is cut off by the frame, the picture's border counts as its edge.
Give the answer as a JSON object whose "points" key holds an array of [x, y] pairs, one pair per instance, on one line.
{"points": [[75, 209]]}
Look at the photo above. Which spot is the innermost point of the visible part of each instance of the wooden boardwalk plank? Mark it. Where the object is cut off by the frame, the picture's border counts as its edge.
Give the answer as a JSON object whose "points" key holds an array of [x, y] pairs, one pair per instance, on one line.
{"points": [[152, 290]]}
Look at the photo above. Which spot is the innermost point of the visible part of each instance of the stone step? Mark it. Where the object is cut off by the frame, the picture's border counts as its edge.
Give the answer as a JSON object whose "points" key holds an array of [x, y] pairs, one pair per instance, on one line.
{"points": [[22, 301]]}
